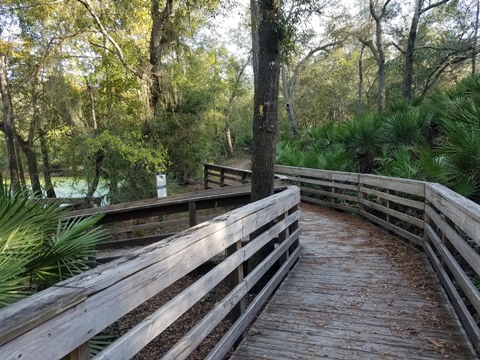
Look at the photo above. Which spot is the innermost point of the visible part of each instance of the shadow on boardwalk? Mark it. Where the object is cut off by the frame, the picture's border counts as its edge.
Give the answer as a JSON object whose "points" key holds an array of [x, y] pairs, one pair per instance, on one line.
{"points": [[356, 293]]}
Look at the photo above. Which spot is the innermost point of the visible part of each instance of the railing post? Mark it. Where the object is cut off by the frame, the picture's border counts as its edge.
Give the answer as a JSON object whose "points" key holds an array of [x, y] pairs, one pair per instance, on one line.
{"points": [[426, 218], [192, 213], [244, 177], [80, 353], [334, 191], [292, 228], [389, 206], [222, 177], [282, 236], [205, 176], [361, 196], [235, 277]]}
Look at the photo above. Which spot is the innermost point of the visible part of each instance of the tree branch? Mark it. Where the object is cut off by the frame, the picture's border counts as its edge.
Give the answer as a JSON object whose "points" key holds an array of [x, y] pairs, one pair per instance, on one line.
{"points": [[434, 5], [104, 32], [396, 46], [24, 7]]}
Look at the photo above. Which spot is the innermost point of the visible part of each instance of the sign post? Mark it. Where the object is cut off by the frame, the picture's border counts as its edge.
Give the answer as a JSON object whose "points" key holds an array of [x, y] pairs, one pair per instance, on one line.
{"points": [[161, 182]]}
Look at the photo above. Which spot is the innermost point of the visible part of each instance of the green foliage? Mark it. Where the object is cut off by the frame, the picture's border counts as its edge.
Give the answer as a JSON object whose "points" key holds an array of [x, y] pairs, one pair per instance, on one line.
{"points": [[436, 140], [38, 246]]}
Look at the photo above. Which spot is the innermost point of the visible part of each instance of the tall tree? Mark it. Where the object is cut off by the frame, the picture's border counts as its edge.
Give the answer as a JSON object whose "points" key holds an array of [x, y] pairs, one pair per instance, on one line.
{"points": [[420, 9], [266, 40], [378, 12], [8, 123], [289, 81], [475, 39]]}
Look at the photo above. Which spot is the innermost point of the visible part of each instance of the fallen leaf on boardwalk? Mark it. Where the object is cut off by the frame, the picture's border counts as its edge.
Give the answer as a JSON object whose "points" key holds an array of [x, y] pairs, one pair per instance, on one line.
{"points": [[436, 343]]}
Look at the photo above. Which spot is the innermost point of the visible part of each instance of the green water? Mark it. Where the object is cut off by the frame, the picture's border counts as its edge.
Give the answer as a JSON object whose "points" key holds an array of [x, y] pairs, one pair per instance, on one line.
{"points": [[69, 187]]}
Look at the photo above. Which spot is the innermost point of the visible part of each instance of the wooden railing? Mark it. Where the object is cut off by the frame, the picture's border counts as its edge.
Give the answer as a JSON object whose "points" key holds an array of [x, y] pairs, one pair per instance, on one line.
{"points": [[60, 320], [218, 176], [443, 224], [145, 222]]}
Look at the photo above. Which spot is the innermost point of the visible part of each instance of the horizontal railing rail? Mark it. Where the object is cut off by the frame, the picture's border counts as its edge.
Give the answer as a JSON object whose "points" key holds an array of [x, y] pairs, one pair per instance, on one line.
{"points": [[60, 320]]}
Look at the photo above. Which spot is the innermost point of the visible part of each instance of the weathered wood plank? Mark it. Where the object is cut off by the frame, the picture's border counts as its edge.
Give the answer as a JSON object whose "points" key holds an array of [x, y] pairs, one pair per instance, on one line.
{"points": [[463, 212], [404, 233], [329, 204], [401, 216], [323, 183], [227, 341], [390, 197], [468, 322], [196, 335], [412, 187], [24, 315], [323, 174], [459, 243], [330, 194], [462, 279], [134, 340]]}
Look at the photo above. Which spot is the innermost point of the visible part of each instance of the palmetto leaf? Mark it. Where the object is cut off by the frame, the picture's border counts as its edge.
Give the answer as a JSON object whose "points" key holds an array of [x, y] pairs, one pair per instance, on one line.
{"points": [[68, 252], [38, 247], [14, 281]]}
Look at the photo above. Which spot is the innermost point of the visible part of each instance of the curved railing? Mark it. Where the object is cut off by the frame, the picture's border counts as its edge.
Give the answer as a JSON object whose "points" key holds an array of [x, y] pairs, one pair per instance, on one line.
{"points": [[435, 219]]}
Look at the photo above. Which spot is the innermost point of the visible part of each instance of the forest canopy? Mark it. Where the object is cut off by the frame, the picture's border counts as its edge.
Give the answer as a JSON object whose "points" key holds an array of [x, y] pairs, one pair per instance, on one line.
{"points": [[114, 89]]}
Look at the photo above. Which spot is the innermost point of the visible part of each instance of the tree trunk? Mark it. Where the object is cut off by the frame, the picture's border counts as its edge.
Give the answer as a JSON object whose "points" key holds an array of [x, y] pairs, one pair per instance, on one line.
{"points": [[360, 82], [266, 71], [287, 96], [32, 165], [412, 36], [378, 17], [229, 140], [8, 124], [159, 38], [93, 185], [92, 105], [47, 169], [475, 37]]}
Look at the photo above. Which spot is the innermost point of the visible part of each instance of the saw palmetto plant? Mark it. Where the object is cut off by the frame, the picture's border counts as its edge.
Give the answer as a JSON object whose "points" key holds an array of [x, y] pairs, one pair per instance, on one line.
{"points": [[39, 245]]}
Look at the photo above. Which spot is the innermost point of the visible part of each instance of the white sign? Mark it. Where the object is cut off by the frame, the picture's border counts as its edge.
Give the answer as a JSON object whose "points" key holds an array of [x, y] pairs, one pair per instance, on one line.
{"points": [[161, 182]]}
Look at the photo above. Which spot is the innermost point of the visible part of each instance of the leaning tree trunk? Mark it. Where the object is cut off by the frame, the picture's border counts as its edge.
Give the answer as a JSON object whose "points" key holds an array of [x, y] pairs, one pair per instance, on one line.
{"points": [[266, 70], [8, 124]]}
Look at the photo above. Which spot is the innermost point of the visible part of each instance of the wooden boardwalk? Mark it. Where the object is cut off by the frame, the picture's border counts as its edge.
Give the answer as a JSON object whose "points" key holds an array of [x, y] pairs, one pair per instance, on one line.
{"points": [[356, 293]]}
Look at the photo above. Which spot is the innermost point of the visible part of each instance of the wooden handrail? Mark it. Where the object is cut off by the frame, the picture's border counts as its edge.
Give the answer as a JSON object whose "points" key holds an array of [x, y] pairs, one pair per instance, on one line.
{"points": [[60, 320], [442, 223], [220, 176], [146, 227]]}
